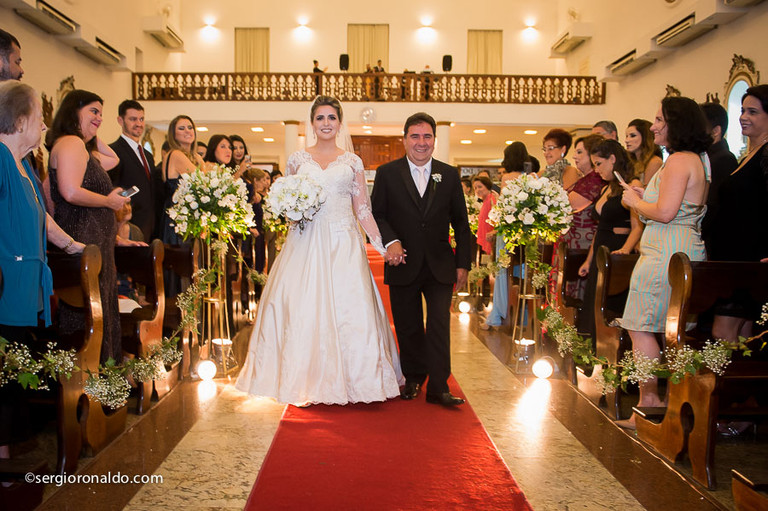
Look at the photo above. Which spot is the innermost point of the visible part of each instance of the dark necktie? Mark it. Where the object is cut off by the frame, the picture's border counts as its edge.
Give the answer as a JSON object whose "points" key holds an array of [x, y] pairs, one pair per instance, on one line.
{"points": [[144, 162]]}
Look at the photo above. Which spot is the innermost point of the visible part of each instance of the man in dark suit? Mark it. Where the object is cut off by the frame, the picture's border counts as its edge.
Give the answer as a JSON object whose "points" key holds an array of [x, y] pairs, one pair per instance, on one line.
{"points": [[722, 161], [415, 200], [135, 167]]}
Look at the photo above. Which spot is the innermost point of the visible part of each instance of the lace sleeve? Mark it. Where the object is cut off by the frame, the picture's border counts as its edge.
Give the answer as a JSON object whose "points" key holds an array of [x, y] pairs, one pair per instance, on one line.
{"points": [[361, 204], [293, 164]]}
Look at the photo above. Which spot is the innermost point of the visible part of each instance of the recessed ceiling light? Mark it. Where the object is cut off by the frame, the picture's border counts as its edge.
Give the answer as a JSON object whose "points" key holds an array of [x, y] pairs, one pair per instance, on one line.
{"points": [[368, 132], [479, 132], [508, 141], [202, 128], [466, 142], [257, 129], [269, 139], [530, 132], [366, 127]]}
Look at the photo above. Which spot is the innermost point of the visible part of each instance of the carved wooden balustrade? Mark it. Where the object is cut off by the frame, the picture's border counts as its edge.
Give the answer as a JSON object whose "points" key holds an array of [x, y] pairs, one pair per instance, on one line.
{"points": [[407, 87]]}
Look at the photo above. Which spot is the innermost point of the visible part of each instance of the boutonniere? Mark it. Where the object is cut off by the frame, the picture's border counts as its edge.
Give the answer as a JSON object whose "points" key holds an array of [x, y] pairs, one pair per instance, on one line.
{"points": [[436, 178]]}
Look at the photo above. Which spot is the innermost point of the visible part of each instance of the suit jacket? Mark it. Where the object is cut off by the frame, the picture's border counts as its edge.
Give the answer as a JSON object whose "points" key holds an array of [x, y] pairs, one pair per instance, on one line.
{"points": [[723, 162], [422, 224], [130, 172]]}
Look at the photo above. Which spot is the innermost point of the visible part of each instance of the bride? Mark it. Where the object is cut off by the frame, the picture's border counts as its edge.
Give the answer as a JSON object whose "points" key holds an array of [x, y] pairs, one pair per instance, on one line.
{"points": [[321, 334]]}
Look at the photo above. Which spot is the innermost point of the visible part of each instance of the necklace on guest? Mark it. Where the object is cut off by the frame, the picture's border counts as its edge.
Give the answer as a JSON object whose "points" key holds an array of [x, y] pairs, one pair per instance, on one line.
{"points": [[750, 153]]}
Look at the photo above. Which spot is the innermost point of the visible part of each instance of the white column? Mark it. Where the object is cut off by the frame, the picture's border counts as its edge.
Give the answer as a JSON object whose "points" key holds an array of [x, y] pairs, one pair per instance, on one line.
{"points": [[443, 142], [291, 137]]}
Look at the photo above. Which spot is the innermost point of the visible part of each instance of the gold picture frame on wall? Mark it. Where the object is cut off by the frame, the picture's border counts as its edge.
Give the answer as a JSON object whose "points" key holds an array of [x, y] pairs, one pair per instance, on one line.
{"points": [[742, 75]]}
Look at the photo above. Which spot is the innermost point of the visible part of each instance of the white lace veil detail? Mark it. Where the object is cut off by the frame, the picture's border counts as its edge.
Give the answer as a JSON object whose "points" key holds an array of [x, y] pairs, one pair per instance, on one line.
{"points": [[343, 138]]}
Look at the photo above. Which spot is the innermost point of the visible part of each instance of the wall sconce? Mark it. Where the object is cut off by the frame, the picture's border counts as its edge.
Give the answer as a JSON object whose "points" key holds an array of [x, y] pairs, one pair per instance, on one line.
{"points": [[530, 34], [210, 33]]}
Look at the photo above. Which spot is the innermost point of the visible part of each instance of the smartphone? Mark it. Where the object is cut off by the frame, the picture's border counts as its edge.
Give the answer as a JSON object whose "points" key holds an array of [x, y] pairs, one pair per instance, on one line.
{"points": [[130, 192], [621, 179]]}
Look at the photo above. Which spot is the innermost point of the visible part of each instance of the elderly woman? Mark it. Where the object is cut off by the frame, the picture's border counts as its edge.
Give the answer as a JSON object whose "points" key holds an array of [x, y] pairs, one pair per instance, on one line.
{"points": [[672, 207], [24, 227], [557, 142], [85, 202]]}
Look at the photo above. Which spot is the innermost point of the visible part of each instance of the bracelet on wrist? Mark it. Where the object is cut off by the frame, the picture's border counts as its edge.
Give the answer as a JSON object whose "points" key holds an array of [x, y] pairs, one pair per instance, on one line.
{"points": [[69, 244]]}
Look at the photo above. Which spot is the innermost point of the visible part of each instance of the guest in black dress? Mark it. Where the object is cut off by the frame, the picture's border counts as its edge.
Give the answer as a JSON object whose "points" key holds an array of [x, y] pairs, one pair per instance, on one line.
{"points": [[85, 203], [618, 227], [739, 231]]}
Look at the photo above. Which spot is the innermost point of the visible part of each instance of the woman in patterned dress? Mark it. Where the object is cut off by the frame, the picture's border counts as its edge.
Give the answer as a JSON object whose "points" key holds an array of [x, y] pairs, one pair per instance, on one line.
{"points": [[672, 207]]}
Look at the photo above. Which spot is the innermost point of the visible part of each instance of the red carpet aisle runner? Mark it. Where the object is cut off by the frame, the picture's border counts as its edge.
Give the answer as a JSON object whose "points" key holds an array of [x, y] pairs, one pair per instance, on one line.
{"points": [[398, 455]]}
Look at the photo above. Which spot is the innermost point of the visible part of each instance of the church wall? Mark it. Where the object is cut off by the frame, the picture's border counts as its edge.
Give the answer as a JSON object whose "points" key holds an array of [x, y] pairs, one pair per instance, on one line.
{"points": [[696, 68]]}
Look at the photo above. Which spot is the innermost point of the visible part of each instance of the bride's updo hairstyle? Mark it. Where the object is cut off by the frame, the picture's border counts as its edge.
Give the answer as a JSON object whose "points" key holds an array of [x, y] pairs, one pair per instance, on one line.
{"points": [[326, 101], [609, 147]]}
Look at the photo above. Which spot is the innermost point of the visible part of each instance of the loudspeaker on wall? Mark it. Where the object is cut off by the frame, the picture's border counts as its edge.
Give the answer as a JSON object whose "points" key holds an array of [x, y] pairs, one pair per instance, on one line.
{"points": [[447, 63], [344, 62]]}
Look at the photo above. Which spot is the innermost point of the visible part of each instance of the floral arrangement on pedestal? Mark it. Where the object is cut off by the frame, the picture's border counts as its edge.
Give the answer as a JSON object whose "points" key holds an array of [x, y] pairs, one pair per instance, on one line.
{"points": [[473, 210], [211, 203], [531, 209], [296, 198]]}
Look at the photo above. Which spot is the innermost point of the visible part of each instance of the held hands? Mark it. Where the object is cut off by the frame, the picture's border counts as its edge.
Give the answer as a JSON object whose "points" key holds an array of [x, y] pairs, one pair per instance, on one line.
{"points": [[116, 201], [395, 254]]}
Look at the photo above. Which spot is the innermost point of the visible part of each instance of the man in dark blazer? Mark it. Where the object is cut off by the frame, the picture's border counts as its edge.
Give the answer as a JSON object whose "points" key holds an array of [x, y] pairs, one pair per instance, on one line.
{"points": [[415, 200], [722, 161], [133, 170]]}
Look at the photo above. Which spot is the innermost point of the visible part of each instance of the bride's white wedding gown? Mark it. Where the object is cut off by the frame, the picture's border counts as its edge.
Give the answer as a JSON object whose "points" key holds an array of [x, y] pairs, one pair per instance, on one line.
{"points": [[321, 334]]}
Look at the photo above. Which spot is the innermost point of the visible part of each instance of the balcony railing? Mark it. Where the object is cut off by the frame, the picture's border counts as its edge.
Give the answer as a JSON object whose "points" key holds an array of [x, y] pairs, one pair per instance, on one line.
{"points": [[395, 88]]}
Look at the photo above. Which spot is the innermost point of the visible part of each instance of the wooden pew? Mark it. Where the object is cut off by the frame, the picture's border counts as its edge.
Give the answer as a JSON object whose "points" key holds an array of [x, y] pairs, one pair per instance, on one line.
{"points": [[748, 496], [569, 262], [82, 424], [142, 329], [184, 260], [689, 422], [613, 276]]}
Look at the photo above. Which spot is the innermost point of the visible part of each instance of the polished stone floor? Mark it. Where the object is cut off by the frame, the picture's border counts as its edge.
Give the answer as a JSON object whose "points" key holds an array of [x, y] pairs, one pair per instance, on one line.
{"points": [[208, 440]]}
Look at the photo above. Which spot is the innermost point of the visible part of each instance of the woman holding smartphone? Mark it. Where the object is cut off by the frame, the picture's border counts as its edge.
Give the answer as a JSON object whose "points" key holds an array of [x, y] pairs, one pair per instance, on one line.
{"points": [[672, 207]]}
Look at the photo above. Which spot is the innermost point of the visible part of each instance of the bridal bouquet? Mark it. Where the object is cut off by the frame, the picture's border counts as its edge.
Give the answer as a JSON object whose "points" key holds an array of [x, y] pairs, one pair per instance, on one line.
{"points": [[296, 198], [211, 202], [531, 208], [273, 222]]}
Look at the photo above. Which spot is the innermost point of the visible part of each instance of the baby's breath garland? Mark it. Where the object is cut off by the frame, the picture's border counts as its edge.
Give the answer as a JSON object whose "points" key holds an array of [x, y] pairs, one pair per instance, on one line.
{"points": [[636, 367], [21, 366]]}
